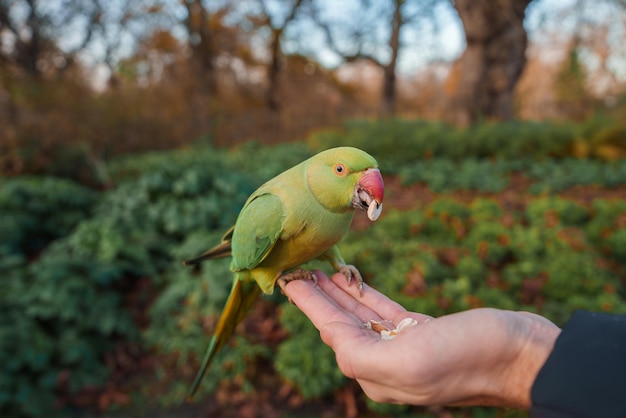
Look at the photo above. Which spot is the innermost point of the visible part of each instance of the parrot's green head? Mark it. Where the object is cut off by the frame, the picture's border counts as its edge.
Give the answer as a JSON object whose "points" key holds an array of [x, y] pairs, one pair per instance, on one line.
{"points": [[345, 177]]}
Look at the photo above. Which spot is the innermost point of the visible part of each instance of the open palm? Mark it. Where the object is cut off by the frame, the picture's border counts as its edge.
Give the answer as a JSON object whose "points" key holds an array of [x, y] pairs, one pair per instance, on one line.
{"points": [[477, 357]]}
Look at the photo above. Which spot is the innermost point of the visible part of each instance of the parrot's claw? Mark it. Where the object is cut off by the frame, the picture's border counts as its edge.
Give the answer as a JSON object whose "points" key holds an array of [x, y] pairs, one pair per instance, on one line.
{"points": [[299, 274], [352, 273]]}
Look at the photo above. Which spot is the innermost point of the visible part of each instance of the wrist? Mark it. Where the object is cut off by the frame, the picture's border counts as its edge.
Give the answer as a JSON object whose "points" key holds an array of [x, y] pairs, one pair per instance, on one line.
{"points": [[532, 340]]}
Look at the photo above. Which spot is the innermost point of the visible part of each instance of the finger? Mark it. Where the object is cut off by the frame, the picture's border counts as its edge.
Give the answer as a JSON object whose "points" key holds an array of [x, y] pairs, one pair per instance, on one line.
{"points": [[353, 346], [385, 308], [348, 302], [316, 304], [361, 354]]}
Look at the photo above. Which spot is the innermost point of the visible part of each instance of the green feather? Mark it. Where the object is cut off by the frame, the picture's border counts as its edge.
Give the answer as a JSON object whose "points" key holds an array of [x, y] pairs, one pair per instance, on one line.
{"points": [[297, 216]]}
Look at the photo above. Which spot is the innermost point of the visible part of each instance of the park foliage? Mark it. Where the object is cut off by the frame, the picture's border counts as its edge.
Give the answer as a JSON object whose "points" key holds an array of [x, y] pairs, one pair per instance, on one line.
{"points": [[73, 259]]}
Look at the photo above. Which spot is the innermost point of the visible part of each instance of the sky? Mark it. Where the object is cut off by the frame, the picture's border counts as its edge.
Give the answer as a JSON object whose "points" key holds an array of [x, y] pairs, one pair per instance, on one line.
{"points": [[548, 22], [424, 45]]}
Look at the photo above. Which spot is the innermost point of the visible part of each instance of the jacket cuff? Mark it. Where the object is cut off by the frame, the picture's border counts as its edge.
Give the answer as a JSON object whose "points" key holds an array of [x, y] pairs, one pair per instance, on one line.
{"points": [[585, 375]]}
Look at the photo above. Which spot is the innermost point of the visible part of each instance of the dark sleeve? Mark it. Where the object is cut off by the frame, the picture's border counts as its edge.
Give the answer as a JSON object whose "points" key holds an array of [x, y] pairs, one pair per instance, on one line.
{"points": [[585, 375]]}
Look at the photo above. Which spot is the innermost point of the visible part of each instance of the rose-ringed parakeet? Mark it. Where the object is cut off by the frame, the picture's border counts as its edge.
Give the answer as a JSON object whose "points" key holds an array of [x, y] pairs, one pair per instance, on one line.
{"points": [[297, 216]]}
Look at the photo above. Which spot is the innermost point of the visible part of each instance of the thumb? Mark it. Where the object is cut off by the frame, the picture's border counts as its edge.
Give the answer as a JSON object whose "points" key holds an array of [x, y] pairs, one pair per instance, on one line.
{"points": [[348, 341], [329, 331], [336, 334]]}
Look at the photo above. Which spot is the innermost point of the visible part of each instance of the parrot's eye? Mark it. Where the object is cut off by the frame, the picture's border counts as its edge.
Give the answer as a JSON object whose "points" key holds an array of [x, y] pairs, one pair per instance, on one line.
{"points": [[340, 169]]}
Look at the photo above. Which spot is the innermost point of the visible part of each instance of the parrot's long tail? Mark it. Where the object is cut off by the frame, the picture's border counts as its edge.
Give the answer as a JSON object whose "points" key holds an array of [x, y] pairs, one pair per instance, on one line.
{"points": [[221, 250], [241, 298]]}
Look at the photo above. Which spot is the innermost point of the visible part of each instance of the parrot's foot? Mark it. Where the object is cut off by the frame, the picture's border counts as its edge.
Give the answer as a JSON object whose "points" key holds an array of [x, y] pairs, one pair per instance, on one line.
{"points": [[352, 273], [299, 274]]}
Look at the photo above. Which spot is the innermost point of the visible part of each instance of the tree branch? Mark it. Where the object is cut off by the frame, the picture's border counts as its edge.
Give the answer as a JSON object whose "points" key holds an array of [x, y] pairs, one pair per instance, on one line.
{"points": [[333, 45]]}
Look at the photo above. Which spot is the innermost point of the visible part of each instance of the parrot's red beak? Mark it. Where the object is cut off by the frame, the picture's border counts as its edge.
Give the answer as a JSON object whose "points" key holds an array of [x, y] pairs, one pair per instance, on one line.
{"points": [[369, 193], [372, 182]]}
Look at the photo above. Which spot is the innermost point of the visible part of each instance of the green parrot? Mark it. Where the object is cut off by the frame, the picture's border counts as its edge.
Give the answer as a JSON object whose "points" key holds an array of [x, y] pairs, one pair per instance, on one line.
{"points": [[297, 216]]}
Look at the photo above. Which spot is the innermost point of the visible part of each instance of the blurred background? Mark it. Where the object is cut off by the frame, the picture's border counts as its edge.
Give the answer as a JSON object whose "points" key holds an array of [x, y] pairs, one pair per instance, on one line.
{"points": [[132, 131]]}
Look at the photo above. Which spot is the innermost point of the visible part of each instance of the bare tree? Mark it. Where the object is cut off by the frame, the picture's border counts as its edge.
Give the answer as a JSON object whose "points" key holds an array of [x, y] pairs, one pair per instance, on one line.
{"points": [[31, 32], [277, 30], [30, 37], [360, 39], [493, 60], [202, 44], [45, 37]]}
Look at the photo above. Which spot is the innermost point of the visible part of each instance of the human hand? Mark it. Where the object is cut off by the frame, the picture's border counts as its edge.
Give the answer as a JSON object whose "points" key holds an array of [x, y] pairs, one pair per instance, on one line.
{"points": [[477, 357]]}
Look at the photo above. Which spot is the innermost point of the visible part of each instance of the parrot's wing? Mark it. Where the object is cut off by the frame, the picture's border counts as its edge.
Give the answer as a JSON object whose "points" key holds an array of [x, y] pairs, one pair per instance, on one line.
{"points": [[258, 227]]}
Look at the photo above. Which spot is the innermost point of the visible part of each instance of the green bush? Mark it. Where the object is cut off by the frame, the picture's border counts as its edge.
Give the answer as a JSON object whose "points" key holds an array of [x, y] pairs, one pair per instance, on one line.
{"points": [[552, 211], [484, 156], [70, 256], [398, 141], [607, 217], [60, 315], [557, 175], [304, 360], [35, 211], [442, 175], [267, 161], [485, 210], [189, 296], [71, 300], [548, 176], [260, 162], [394, 143], [450, 256], [490, 242]]}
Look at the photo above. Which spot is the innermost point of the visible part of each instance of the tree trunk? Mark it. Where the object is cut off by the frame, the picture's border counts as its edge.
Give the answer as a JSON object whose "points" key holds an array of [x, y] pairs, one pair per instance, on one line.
{"points": [[203, 87], [274, 71], [203, 51], [493, 60], [389, 75], [274, 67]]}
